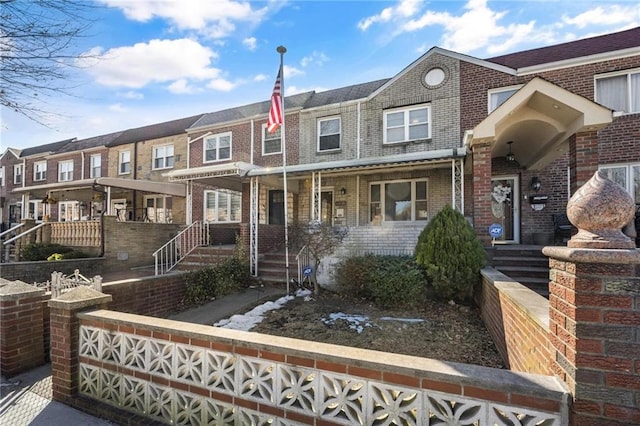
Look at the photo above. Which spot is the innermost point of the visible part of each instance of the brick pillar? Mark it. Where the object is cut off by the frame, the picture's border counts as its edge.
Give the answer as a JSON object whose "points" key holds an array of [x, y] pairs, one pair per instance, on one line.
{"points": [[482, 217], [21, 327], [594, 310], [583, 158], [65, 338]]}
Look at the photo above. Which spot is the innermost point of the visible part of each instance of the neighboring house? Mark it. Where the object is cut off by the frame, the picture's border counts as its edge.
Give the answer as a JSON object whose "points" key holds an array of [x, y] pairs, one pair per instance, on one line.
{"points": [[10, 204], [504, 140]]}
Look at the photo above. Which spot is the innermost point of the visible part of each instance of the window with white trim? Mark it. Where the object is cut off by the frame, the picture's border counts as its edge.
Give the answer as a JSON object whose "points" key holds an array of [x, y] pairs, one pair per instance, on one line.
{"points": [[498, 96], [329, 134], [158, 209], [398, 201], [36, 210], [17, 174], [163, 157], [619, 91], [65, 171], [217, 147], [627, 176], [2, 176], [68, 211], [96, 165], [407, 124], [222, 206], [271, 142], [124, 162], [40, 171]]}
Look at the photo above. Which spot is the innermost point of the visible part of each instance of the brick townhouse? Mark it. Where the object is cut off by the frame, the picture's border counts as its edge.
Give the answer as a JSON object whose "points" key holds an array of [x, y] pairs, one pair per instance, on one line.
{"points": [[505, 140]]}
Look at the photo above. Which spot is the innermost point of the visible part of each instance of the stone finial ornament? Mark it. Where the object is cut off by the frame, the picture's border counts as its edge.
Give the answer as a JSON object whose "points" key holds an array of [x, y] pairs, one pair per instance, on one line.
{"points": [[599, 209]]}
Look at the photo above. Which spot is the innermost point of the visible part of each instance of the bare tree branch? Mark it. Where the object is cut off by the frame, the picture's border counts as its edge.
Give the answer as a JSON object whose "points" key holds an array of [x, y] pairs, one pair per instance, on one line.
{"points": [[38, 50]]}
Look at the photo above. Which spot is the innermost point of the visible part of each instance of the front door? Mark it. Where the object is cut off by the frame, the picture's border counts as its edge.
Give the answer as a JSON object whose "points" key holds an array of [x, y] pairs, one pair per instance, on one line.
{"points": [[505, 207], [276, 207]]}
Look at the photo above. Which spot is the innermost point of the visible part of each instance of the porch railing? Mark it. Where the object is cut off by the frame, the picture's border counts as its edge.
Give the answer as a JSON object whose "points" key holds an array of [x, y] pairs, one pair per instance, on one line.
{"points": [[176, 249], [304, 260], [10, 230]]}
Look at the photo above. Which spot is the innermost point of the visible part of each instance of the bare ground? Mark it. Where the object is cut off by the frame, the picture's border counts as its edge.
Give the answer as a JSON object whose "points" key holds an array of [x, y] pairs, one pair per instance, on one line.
{"points": [[448, 332]]}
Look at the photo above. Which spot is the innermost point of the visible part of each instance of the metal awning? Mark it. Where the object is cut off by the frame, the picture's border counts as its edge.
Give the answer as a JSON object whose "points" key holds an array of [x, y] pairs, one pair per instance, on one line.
{"points": [[237, 168], [175, 189]]}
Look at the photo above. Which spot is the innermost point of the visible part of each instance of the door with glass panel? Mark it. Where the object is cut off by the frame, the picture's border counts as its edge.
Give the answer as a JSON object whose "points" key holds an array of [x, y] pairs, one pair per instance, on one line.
{"points": [[505, 207]]}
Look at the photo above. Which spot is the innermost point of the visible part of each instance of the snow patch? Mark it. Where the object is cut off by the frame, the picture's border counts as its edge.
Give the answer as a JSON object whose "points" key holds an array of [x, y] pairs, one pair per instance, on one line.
{"points": [[355, 322]]}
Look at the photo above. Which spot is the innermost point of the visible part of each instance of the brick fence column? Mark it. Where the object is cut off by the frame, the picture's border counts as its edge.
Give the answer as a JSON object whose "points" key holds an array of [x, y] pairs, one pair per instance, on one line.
{"points": [[64, 337], [482, 216], [594, 308], [21, 327]]}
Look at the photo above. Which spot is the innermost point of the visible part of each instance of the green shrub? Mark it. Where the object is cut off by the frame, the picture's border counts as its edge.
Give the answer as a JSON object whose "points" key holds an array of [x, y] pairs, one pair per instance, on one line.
{"points": [[388, 281], [219, 280], [451, 254], [42, 251]]}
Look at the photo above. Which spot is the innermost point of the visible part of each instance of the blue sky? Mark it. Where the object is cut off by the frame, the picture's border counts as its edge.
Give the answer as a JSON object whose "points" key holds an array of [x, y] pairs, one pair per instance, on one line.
{"points": [[165, 59]]}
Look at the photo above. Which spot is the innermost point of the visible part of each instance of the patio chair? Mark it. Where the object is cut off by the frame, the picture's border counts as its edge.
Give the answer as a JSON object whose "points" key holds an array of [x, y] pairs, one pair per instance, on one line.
{"points": [[562, 228]]}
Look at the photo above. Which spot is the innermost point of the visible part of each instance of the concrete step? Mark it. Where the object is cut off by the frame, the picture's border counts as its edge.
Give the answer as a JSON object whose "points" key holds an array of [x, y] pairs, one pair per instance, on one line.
{"points": [[537, 261], [524, 271]]}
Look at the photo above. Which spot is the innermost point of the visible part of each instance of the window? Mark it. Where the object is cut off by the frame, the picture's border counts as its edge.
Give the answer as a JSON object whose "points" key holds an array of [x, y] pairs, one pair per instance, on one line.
{"points": [[398, 201], [96, 166], [217, 147], [163, 157], [328, 134], [498, 96], [65, 171], [124, 162], [620, 92], [36, 210], [158, 209], [222, 206], [68, 211], [40, 171], [17, 174], [271, 142], [627, 176], [407, 124], [2, 176]]}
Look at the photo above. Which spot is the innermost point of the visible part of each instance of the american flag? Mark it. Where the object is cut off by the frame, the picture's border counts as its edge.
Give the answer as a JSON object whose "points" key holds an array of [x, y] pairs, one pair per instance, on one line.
{"points": [[275, 113]]}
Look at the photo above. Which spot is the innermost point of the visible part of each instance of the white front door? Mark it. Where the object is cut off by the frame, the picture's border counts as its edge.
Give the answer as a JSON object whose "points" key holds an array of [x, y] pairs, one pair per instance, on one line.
{"points": [[505, 207]]}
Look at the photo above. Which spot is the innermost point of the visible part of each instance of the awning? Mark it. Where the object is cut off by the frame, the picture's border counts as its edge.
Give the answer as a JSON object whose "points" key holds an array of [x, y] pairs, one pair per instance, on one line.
{"points": [[175, 189], [237, 168]]}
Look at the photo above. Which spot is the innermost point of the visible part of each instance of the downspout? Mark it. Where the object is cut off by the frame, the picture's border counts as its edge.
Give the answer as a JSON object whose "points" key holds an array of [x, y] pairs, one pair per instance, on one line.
{"points": [[252, 143], [358, 132], [134, 175], [82, 165]]}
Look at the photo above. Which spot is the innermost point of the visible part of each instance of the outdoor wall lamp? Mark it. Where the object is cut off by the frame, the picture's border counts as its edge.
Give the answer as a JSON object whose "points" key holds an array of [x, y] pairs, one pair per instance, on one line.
{"points": [[535, 184], [343, 191]]}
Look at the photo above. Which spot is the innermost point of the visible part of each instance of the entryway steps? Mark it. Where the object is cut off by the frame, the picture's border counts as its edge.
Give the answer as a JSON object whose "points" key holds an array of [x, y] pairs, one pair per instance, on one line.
{"points": [[272, 267], [525, 264], [204, 256]]}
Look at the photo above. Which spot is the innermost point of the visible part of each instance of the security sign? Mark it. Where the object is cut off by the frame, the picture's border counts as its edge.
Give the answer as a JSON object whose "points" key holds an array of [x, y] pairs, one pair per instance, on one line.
{"points": [[307, 271], [495, 230]]}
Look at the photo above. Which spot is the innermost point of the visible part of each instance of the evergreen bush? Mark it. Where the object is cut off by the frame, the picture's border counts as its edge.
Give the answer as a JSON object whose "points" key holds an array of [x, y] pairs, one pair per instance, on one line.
{"points": [[42, 251], [451, 254]]}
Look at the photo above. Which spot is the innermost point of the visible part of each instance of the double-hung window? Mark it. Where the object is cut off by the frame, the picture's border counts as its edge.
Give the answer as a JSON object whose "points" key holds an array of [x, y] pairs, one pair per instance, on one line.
{"points": [[407, 124], [329, 134], [17, 174], [40, 171], [2, 176], [124, 162], [627, 176], [217, 147], [163, 157], [222, 206], [271, 142], [65, 171], [96, 166], [619, 91], [498, 96], [398, 201]]}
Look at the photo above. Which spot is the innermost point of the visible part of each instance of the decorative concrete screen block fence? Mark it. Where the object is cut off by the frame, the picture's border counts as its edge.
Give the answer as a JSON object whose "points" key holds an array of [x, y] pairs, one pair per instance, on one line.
{"points": [[190, 374]]}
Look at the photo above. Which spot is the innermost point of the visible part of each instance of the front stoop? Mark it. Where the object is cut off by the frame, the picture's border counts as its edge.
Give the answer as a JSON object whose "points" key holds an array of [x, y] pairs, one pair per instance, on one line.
{"points": [[524, 264]]}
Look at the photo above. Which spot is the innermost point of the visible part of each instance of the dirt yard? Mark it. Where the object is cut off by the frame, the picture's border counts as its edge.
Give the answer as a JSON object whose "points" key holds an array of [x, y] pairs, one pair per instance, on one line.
{"points": [[447, 332]]}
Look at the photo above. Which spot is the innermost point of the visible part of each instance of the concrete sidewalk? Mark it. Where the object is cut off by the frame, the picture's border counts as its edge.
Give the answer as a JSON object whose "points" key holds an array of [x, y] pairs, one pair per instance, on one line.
{"points": [[26, 398]]}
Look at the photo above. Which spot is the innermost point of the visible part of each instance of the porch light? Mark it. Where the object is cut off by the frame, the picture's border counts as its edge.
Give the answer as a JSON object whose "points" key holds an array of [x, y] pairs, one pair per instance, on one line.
{"points": [[510, 156], [535, 184], [343, 191]]}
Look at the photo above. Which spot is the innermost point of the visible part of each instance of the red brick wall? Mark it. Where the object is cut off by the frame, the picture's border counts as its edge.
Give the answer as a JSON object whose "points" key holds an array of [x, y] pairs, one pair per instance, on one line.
{"points": [[508, 311]]}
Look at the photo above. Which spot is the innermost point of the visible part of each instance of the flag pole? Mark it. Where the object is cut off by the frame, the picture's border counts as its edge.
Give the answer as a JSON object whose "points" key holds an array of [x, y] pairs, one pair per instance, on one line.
{"points": [[282, 50]]}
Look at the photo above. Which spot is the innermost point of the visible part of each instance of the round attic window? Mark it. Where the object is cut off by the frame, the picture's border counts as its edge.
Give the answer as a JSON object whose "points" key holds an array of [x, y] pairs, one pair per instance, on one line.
{"points": [[435, 77]]}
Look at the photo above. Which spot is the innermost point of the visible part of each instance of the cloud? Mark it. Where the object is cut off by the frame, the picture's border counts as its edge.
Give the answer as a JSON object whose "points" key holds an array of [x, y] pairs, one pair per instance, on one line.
{"points": [[403, 10], [215, 19], [260, 77], [290, 71], [316, 57], [158, 61], [612, 15], [250, 43], [182, 87], [131, 95], [221, 84], [117, 108]]}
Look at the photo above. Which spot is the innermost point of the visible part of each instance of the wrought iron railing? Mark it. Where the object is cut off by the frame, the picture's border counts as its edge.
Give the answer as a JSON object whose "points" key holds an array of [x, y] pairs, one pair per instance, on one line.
{"points": [[170, 254], [304, 260]]}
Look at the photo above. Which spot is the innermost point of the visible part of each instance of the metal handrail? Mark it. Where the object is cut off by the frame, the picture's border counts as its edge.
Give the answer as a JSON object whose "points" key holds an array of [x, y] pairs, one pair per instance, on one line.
{"points": [[303, 257], [18, 226], [28, 231], [176, 249]]}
